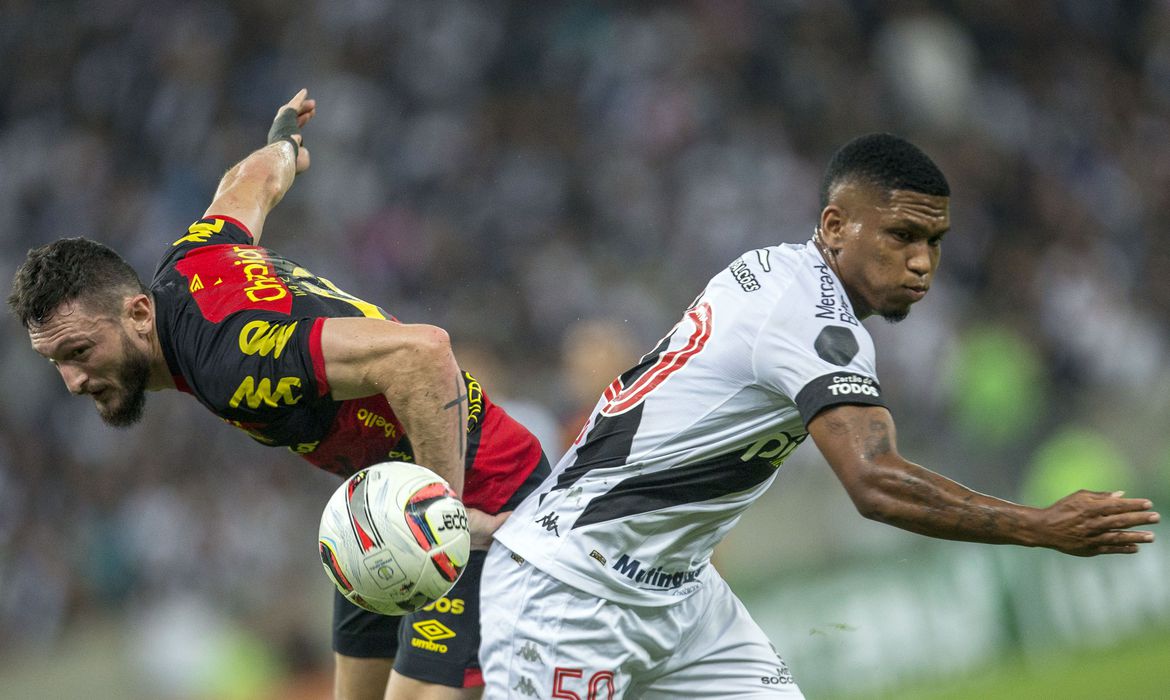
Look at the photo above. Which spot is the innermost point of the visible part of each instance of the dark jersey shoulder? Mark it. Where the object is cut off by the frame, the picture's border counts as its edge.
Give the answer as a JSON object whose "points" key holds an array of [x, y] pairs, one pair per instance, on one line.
{"points": [[240, 327]]}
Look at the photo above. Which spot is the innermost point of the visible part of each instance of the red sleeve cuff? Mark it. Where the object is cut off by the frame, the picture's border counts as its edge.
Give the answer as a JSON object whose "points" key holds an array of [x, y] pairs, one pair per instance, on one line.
{"points": [[233, 221], [318, 357]]}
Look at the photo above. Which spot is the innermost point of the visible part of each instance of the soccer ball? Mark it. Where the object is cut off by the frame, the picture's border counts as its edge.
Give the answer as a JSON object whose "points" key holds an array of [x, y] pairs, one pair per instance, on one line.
{"points": [[394, 538]]}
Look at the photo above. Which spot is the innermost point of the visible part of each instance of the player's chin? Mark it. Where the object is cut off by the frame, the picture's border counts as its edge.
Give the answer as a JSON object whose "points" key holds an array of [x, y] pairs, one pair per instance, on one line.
{"points": [[895, 314], [121, 411]]}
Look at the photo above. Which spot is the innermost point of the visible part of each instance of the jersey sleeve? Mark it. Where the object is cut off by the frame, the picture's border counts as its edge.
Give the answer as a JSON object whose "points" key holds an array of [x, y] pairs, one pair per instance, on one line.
{"points": [[210, 230], [816, 358]]}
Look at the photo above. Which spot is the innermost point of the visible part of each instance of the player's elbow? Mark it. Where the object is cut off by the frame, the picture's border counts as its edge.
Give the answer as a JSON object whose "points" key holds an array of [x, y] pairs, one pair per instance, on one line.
{"points": [[430, 346], [871, 495], [868, 505], [432, 340]]}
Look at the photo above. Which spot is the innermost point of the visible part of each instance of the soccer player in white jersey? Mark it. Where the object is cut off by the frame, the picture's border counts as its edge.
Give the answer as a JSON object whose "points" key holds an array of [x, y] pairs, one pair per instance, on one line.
{"points": [[600, 585]]}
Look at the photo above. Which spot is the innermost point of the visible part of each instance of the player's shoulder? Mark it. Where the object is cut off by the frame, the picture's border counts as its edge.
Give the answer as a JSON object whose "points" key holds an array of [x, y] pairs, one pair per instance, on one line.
{"points": [[206, 232], [768, 273]]}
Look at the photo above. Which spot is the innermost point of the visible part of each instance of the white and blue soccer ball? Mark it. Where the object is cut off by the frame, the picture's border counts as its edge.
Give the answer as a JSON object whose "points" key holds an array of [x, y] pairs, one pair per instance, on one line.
{"points": [[394, 538]]}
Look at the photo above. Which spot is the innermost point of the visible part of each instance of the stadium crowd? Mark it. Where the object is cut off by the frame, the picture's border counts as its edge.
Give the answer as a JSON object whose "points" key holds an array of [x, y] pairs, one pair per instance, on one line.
{"points": [[515, 172]]}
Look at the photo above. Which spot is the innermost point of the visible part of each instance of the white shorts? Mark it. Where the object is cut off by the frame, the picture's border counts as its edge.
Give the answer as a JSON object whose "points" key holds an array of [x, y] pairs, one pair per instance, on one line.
{"points": [[545, 639]]}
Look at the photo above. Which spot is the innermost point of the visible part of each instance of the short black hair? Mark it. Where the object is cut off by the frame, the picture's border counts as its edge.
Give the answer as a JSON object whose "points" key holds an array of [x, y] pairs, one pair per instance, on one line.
{"points": [[71, 269], [885, 161]]}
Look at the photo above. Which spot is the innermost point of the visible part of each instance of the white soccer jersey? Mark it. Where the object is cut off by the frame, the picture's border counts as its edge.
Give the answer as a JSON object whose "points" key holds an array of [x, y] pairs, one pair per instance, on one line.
{"points": [[681, 444]]}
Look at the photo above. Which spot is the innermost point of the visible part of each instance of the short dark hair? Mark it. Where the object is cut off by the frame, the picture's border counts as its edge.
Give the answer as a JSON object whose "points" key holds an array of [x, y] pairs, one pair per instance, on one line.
{"points": [[71, 269], [885, 161]]}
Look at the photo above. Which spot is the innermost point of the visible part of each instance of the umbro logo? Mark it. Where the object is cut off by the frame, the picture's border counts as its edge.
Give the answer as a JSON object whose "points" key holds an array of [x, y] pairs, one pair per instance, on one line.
{"points": [[529, 653], [524, 685], [549, 522]]}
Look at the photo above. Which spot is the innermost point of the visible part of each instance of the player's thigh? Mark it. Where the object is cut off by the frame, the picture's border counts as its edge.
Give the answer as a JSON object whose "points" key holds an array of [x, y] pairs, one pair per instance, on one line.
{"points": [[404, 688], [360, 679], [364, 646], [544, 639], [440, 643], [725, 655]]}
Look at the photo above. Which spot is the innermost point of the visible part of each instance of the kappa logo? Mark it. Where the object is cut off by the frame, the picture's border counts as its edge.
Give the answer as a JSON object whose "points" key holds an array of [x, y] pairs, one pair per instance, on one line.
{"points": [[432, 630], [524, 685], [549, 522], [530, 653]]}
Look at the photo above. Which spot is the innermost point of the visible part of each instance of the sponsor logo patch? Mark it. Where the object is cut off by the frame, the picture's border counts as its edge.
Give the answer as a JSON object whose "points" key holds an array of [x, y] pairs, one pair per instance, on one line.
{"points": [[549, 522], [655, 578], [831, 305], [782, 676], [530, 653], [743, 275], [525, 686], [431, 631], [853, 385], [836, 345], [254, 393]]}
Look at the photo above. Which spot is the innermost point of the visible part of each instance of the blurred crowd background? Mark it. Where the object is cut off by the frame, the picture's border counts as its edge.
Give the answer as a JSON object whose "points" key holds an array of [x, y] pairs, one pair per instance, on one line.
{"points": [[553, 182]]}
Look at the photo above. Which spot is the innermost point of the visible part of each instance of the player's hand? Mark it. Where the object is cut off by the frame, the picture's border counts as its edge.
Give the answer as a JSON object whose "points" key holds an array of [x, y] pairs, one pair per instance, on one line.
{"points": [[483, 525], [1088, 523], [290, 118]]}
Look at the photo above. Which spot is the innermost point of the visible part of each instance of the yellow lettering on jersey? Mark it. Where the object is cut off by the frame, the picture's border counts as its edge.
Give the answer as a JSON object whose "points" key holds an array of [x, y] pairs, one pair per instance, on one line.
{"points": [[331, 291], [196, 284], [256, 393], [262, 337], [304, 448], [444, 605], [200, 231], [474, 401]]}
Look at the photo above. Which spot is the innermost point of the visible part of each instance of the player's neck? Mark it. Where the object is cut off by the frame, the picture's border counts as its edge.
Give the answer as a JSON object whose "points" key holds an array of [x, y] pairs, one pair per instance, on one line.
{"points": [[160, 371], [860, 310]]}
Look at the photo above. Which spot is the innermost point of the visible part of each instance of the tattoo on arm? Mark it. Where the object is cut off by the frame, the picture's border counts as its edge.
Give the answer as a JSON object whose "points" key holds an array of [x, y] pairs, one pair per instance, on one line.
{"points": [[877, 442], [963, 516], [836, 426], [460, 424]]}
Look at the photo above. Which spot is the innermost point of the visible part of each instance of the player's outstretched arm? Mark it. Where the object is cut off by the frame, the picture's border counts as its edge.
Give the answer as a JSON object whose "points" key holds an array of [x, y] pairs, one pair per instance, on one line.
{"points": [[413, 367], [252, 187], [859, 444]]}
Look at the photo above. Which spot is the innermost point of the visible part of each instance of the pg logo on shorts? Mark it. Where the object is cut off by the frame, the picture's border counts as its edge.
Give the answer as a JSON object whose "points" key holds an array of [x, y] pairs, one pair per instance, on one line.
{"points": [[431, 631]]}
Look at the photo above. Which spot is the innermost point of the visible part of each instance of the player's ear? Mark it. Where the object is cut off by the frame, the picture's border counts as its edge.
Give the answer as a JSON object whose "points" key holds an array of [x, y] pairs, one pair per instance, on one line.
{"points": [[832, 226], [140, 310]]}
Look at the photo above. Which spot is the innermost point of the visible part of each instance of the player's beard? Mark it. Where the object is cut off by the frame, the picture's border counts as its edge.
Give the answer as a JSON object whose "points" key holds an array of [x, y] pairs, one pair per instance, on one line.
{"points": [[896, 316], [129, 402]]}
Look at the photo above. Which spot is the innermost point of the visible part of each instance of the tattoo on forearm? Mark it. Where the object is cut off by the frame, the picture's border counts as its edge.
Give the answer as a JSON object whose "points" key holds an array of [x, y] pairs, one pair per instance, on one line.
{"points": [[877, 442], [460, 423], [963, 518]]}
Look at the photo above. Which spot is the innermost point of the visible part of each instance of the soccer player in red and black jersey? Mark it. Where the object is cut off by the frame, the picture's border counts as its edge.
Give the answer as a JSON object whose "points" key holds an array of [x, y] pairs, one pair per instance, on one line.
{"points": [[295, 362]]}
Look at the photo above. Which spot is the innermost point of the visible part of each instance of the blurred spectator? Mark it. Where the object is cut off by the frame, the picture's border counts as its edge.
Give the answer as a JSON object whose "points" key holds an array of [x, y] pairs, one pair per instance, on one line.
{"points": [[594, 353]]}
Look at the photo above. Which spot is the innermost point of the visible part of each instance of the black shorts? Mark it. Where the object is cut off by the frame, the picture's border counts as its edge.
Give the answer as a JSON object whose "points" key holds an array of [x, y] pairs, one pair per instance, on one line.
{"points": [[438, 644]]}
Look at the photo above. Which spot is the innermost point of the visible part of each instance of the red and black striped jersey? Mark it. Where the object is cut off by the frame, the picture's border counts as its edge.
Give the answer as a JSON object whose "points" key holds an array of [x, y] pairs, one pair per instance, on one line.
{"points": [[240, 326]]}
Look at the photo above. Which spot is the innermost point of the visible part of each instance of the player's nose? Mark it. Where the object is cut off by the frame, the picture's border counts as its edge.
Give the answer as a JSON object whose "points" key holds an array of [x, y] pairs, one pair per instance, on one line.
{"points": [[920, 262], [75, 378]]}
